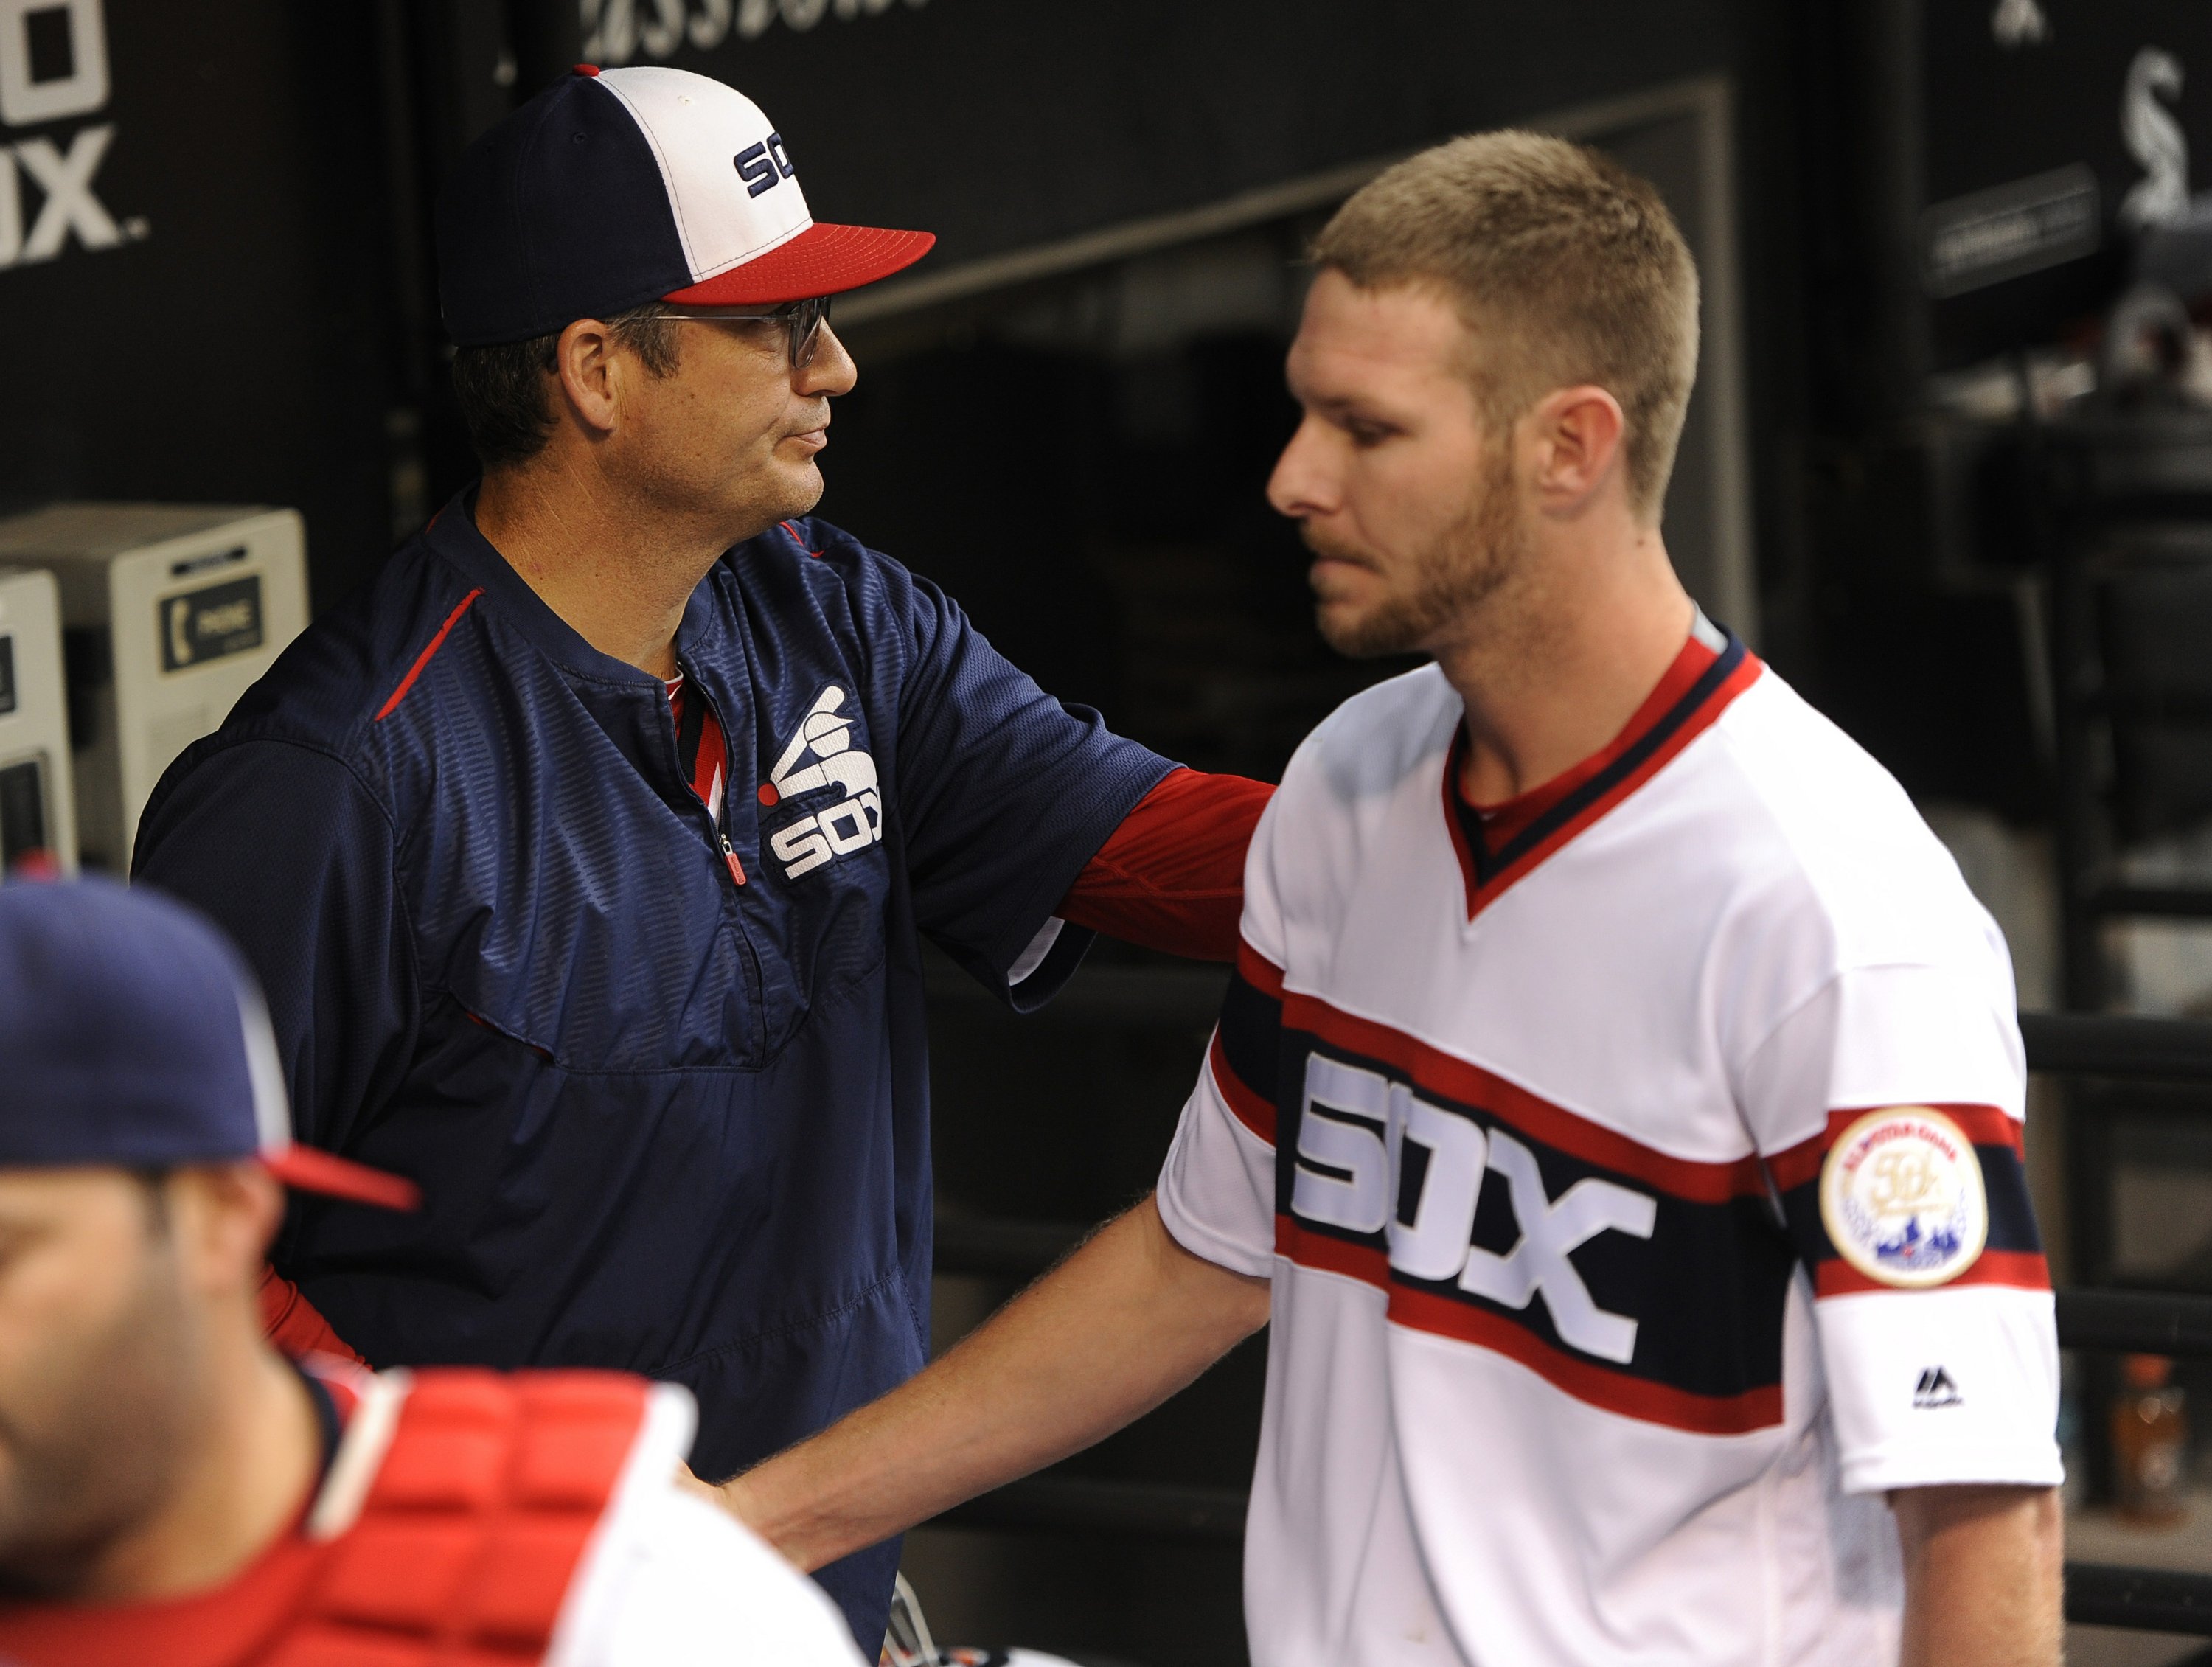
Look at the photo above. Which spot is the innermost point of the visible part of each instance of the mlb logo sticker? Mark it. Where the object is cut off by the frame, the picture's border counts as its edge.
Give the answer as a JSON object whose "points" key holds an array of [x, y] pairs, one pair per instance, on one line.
{"points": [[1902, 1197]]}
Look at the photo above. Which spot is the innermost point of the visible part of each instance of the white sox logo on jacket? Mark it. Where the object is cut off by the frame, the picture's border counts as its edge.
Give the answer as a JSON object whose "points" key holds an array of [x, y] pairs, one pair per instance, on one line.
{"points": [[821, 757]]}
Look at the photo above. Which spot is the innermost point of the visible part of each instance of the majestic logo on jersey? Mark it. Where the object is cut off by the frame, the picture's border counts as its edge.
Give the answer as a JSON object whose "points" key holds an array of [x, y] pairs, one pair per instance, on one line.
{"points": [[1352, 1164], [821, 757], [1936, 1389], [1902, 1198]]}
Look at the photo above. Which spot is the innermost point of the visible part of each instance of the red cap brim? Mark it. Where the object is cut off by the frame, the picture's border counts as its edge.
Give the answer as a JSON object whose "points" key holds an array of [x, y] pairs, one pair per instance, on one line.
{"points": [[821, 261], [311, 1171]]}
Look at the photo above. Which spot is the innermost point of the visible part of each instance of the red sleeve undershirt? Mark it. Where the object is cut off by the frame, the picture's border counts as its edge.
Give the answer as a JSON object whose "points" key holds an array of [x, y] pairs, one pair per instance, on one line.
{"points": [[1171, 876], [291, 1321]]}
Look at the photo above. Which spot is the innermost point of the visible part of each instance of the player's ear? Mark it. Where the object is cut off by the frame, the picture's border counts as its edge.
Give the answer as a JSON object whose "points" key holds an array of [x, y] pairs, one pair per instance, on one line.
{"points": [[585, 369], [1577, 433], [222, 1217]]}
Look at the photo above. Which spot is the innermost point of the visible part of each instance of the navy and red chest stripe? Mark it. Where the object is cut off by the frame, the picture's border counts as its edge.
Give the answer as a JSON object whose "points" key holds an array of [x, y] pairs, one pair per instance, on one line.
{"points": [[1696, 1266], [1698, 1279]]}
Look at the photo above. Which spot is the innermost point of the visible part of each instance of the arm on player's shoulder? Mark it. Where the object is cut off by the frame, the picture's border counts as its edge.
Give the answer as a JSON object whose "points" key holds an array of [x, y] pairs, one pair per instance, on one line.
{"points": [[1172, 875]]}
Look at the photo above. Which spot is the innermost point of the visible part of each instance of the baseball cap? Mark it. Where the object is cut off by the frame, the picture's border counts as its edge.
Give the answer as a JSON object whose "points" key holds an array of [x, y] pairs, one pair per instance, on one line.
{"points": [[613, 188], [132, 1034]]}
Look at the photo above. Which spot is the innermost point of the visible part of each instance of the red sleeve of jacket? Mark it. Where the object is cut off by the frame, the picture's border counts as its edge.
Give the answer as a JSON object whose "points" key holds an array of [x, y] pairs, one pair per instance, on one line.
{"points": [[291, 1321], [1172, 875]]}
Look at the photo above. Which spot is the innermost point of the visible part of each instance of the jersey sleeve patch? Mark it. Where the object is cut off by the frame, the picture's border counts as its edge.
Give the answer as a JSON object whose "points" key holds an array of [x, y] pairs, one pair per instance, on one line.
{"points": [[1913, 1198]]}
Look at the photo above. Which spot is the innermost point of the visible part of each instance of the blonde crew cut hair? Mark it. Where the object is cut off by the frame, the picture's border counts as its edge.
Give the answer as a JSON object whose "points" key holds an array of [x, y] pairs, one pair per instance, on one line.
{"points": [[1566, 268]]}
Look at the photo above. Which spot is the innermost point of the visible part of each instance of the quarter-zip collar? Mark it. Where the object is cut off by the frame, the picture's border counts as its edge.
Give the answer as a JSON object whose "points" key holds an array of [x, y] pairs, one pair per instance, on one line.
{"points": [[453, 534], [627, 702]]}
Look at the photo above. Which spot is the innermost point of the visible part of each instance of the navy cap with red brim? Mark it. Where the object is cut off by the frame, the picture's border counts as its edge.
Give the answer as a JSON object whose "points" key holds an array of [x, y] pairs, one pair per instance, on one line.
{"points": [[308, 1169], [135, 1036], [614, 188], [821, 261]]}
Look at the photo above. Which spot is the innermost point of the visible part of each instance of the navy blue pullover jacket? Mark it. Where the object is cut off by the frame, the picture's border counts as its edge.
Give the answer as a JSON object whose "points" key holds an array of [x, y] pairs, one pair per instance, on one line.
{"points": [[663, 1122]]}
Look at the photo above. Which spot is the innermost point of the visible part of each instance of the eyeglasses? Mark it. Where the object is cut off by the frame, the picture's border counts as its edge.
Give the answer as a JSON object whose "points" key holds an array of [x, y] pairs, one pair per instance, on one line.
{"points": [[802, 322]]}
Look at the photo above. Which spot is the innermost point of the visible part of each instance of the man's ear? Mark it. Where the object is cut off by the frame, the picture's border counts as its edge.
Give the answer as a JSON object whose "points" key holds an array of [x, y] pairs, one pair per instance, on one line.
{"points": [[224, 1215], [1577, 433], [584, 362]]}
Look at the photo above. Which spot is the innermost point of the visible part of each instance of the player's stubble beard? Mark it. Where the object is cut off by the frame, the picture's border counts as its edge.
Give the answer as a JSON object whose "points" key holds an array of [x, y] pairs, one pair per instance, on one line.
{"points": [[78, 1481], [1442, 584]]}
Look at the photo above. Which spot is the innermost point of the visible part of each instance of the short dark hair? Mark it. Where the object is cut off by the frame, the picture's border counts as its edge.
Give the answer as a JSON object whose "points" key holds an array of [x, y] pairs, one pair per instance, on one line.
{"points": [[502, 389], [1570, 266]]}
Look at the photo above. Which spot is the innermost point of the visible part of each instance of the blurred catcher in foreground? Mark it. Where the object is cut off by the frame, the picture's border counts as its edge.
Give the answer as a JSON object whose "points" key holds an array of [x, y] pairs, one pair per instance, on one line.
{"points": [[173, 1489]]}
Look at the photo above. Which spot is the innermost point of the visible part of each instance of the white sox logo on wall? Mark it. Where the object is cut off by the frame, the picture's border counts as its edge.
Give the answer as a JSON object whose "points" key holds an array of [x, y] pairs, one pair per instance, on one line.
{"points": [[1901, 1195], [53, 65], [822, 755]]}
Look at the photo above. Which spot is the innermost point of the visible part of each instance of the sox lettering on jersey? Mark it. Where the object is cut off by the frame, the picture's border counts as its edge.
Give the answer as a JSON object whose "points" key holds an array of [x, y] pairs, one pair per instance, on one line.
{"points": [[1351, 1166]]}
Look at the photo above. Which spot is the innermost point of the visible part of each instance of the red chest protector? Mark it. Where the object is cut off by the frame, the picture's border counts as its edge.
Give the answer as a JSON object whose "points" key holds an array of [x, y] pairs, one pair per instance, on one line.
{"points": [[471, 1528], [447, 1534]]}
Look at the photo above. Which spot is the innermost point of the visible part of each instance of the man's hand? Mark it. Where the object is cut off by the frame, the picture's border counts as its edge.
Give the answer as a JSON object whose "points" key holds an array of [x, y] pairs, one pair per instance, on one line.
{"points": [[1112, 1331], [1982, 1576]]}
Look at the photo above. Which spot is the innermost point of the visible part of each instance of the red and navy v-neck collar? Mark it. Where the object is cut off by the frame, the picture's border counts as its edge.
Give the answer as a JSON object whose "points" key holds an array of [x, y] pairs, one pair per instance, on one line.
{"points": [[1499, 845]]}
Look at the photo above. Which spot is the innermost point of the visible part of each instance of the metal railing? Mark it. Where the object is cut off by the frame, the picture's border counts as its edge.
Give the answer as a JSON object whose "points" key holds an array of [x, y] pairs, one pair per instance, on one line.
{"points": [[2132, 1322]]}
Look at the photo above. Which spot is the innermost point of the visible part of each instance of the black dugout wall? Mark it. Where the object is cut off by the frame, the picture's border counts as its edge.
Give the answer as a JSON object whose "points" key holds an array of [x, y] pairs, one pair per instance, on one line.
{"points": [[235, 301]]}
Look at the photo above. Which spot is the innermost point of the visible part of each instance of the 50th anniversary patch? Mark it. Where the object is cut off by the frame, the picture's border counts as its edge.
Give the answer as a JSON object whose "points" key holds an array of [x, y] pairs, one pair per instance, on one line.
{"points": [[1902, 1197]]}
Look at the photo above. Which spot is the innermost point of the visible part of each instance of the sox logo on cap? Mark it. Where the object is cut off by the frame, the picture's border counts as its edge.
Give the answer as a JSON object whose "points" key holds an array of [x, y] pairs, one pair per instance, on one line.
{"points": [[615, 188]]}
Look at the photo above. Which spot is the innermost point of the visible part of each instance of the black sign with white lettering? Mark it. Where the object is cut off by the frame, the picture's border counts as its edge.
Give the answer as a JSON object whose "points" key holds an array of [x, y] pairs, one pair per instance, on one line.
{"points": [[1988, 236], [2048, 131], [1136, 108], [202, 625], [153, 156]]}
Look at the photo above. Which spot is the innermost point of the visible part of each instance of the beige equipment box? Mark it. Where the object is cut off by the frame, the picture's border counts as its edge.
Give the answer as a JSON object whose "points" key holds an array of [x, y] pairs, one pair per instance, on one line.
{"points": [[37, 805], [169, 611]]}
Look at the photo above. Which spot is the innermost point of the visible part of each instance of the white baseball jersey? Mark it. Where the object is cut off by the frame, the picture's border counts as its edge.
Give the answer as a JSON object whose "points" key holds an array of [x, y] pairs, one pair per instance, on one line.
{"points": [[1638, 1169]]}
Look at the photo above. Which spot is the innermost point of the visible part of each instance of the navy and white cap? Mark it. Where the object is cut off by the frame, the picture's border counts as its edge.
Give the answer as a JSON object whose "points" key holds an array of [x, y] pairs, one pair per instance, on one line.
{"points": [[132, 1035], [613, 188]]}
